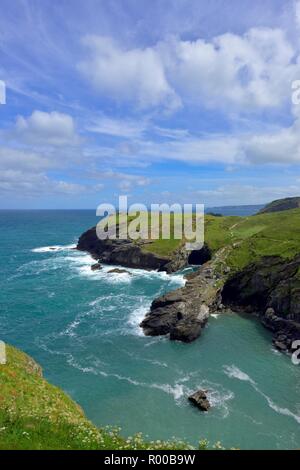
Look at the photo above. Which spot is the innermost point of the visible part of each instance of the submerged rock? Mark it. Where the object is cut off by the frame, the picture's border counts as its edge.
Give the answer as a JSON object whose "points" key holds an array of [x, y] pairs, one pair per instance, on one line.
{"points": [[119, 271], [96, 267], [200, 400]]}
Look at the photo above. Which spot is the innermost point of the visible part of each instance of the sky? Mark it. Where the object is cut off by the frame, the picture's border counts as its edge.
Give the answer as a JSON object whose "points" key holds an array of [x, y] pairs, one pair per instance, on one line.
{"points": [[183, 101]]}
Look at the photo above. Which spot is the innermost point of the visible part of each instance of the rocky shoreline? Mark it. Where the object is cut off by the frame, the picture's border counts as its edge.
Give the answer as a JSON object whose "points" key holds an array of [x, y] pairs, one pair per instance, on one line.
{"points": [[184, 312], [134, 254], [268, 289]]}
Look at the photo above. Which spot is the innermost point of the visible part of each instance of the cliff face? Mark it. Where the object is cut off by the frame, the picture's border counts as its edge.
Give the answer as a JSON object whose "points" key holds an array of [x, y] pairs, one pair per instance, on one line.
{"points": [[134, 254], [271, 289], [281, 205], [124, 252]]}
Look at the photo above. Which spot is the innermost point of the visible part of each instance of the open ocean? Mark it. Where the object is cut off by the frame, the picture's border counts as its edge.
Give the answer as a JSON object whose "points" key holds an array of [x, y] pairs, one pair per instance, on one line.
{"points": [[82, 327]]}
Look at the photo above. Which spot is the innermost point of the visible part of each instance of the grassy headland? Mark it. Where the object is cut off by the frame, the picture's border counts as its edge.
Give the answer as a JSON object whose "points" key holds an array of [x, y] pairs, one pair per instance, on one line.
{"points": [[246, 238]]}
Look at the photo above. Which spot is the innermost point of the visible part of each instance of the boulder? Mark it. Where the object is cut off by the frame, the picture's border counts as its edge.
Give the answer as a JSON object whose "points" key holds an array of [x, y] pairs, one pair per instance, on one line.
{"points": [[200, 400], [96, 267], [280, 345], [119, 271]]}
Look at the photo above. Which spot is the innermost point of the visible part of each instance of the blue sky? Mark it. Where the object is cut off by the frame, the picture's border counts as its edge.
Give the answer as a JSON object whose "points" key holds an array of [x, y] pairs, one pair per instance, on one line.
{"points": [[166, 101]]}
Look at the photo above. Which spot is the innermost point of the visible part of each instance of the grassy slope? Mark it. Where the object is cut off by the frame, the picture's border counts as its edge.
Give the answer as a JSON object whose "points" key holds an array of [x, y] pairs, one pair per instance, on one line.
{"points": [[252, 237], [36, 415], [247, 238]]}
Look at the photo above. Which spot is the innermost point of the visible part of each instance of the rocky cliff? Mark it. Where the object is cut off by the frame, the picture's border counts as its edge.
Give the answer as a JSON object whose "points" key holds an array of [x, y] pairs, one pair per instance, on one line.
{"points": [[184, 312], [136, 254], [269, 288], [234, 257], [124, 252]]}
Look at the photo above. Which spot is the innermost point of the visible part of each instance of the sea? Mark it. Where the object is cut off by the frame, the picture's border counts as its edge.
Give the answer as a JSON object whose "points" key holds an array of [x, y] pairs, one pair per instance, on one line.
{"points": [[82, 326]]}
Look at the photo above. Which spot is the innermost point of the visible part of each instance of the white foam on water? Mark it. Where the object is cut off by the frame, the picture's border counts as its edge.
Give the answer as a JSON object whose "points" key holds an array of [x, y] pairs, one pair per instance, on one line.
{"points": [[235, 372], [276, 352], [81, 263], [215, 315], [136, 317], [219, 399], [177, 391], [53, 248]]}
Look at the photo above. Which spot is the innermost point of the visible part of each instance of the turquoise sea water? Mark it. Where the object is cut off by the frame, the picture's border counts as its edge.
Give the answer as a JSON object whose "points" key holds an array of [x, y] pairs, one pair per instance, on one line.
{"points": [[82, 327]]}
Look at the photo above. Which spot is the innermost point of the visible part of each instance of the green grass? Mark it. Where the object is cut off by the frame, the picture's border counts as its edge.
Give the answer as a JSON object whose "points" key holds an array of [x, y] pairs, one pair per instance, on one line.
{"points": [[249, 238], [37, 415]]}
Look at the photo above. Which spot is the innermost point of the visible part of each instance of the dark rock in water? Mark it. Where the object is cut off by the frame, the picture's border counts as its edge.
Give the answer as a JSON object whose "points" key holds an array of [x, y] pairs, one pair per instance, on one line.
{"points": [[186, 331], [119, 271], [280, 345], [271, 288], [200, 400], [96, 267]]}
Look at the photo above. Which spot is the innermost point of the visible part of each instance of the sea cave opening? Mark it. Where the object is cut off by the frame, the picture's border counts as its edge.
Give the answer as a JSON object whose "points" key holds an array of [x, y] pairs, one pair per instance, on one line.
{"points": [[198, 257]]}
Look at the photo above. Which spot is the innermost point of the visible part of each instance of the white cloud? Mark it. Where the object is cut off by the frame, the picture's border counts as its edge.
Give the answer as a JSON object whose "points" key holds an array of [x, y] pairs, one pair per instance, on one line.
{"points": [[117, 128], [23, 172], [248, 72], [47, 129], [35, 184], [281, 147], [127, 75], [11, 158]]}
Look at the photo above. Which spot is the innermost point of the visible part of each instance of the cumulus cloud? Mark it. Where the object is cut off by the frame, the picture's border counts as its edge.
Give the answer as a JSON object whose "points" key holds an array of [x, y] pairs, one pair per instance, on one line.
{"points": [[253, 70], [128, 75], [248, 71], [43, 128]]}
